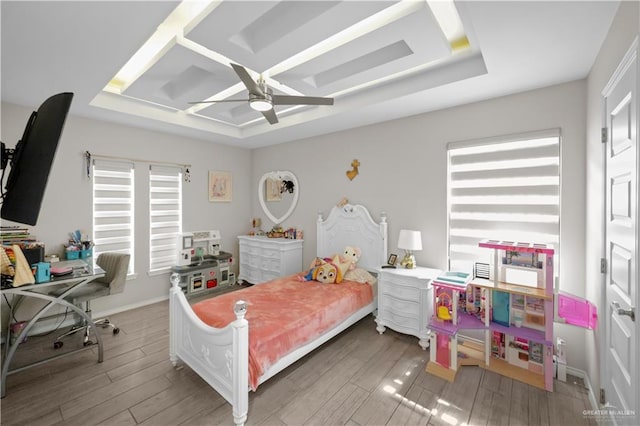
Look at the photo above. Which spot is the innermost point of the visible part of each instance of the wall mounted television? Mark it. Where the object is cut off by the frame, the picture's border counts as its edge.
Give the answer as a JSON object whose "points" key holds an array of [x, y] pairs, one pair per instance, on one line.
{"points": [[31, 160]]}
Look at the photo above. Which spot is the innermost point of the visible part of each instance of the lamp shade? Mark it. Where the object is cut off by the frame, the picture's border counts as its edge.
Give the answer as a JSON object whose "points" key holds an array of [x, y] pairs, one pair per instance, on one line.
{"points": [[410, 240]]}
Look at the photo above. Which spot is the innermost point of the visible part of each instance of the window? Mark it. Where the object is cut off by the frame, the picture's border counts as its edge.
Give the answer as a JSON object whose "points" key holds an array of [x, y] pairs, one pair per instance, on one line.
{"points": [[113, 207], [503, 188], [165, 216]]}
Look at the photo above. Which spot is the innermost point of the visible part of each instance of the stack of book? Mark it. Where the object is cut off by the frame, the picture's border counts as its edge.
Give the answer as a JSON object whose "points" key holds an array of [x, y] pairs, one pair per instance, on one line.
{"points": [[10, 235]]}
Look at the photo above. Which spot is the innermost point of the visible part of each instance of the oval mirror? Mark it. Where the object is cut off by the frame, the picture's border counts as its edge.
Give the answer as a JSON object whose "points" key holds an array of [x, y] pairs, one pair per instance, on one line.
{"points": [[278, 194]]}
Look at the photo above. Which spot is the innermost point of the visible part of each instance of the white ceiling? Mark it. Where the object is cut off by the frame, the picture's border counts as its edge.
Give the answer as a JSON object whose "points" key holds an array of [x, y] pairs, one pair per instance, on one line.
{"points": [[402, 66]]}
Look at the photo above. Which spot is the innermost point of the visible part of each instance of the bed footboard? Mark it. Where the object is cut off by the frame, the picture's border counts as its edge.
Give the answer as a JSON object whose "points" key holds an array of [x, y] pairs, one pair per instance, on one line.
{"points": [[219, 355]]}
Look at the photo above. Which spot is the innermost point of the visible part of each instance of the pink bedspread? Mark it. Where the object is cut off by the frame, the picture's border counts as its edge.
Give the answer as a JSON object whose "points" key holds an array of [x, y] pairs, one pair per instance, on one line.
{"points": [[285, 314]]}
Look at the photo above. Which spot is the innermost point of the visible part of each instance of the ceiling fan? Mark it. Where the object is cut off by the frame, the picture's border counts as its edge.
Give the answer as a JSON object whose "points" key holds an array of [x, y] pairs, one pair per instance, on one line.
{"points": [[261, 97]]}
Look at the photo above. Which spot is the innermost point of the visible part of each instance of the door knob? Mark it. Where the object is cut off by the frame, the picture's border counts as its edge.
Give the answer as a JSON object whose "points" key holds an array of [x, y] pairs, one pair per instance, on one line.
{"points": [[629, 312]]}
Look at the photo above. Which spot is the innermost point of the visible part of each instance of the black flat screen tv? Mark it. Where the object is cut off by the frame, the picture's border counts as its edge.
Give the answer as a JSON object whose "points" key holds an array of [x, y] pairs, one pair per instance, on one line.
{"points": [[31, 160]]}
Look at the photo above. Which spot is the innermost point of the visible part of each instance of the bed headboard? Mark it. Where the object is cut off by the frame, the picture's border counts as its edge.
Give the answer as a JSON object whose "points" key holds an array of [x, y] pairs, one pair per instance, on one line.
{"points": [[352, 225]]}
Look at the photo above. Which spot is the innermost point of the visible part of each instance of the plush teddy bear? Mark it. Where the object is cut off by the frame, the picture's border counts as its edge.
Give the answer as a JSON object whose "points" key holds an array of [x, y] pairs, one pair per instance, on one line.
{"points": [[351, 255]]}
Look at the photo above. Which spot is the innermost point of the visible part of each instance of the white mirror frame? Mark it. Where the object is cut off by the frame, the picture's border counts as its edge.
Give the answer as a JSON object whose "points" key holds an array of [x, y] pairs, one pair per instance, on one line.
{"points": [[278, 175]]}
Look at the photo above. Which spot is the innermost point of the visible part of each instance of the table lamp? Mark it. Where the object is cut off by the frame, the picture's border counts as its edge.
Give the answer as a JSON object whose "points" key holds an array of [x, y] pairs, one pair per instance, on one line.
{"points": [[409, 241]]}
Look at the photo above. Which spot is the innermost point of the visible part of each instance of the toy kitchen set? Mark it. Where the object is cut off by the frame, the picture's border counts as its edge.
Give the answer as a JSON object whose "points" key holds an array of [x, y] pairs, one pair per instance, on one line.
{"points": [[202, 266]]}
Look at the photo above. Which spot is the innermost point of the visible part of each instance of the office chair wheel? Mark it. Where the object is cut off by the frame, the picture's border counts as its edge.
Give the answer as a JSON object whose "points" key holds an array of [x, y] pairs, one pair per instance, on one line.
{"points": [[57, 345], [116, 330]]}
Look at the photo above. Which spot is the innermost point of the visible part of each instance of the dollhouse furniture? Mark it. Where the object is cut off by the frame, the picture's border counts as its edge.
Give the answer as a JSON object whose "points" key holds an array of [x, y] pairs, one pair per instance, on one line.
{"points": [[404, 301], [443, 306], [263, 259], [514, 309]]}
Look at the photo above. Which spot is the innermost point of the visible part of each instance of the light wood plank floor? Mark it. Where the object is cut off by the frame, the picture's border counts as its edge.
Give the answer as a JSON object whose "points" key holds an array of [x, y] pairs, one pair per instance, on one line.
{"points": [[358, 378]]}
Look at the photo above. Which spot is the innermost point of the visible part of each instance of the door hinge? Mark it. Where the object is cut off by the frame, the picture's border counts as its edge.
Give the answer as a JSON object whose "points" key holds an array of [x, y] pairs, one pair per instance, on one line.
{"points": [[602, 399], [603, 266], [604, 134]]}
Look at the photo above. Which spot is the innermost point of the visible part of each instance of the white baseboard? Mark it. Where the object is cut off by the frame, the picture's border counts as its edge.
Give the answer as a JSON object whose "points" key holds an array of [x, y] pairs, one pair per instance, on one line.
{"points": [[587, 383], [119, 309]]}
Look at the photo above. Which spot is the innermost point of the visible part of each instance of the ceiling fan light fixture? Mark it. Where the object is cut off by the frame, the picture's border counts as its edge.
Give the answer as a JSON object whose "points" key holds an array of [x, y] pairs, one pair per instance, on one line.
{"points": [[260, 104]]}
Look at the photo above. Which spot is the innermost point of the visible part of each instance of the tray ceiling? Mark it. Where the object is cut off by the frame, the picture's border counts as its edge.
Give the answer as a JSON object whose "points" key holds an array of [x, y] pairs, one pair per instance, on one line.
{"points": [[370, 56]]}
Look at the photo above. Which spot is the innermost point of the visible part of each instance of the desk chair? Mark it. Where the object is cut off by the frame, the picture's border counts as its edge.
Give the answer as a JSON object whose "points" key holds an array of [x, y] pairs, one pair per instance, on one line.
{"points": [[116, 266]]}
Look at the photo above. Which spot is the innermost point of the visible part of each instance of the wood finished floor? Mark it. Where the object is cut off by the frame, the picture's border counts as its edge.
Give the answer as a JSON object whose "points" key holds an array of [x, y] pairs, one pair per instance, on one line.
{"points": [[358, 378]]}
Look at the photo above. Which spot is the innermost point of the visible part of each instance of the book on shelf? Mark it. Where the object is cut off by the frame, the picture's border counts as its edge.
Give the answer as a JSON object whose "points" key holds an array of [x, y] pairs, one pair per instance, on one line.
{"points": [[460, 279]]}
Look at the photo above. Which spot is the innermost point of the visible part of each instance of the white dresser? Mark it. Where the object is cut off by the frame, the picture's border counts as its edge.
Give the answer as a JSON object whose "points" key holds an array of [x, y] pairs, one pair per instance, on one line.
{"points": [[404, 301], [263, 259]]}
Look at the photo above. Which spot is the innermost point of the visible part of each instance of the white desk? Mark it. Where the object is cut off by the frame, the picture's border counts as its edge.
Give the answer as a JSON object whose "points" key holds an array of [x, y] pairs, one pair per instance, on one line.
{"points": [[82, 275]]}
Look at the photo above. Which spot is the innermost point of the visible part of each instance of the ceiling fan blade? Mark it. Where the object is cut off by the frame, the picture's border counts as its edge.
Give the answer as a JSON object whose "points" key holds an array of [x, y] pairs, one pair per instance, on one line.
{"points": [[247, 80], [216, 102], [270, 115], [300, 100]]}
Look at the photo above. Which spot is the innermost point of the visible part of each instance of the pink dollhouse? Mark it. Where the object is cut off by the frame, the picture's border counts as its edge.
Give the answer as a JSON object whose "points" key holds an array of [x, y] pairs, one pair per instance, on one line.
{"points": [[513, 309]]}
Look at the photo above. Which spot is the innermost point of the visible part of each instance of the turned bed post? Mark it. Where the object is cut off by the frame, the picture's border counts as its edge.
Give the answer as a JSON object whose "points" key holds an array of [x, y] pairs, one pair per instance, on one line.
{"points": [[174, 317], [241, 365]]}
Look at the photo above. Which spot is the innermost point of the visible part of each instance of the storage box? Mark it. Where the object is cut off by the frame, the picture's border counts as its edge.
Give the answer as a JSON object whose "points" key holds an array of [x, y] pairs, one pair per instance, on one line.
{"points": [[34, 255], [72, 254], [42, 271], [84, 254]]}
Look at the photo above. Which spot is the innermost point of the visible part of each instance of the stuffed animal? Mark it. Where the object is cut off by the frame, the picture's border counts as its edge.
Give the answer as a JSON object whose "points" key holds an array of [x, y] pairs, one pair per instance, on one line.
{"points": [[308, 276], [327, 271], [351, 255]]}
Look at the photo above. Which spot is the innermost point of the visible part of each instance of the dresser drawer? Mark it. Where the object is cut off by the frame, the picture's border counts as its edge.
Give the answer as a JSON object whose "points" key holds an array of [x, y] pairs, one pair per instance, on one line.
{"points": [[253, 261], [396, 320], [405, 281], [269, 264], [401, 307], [271, 253], [253, 250], [400, 291]]}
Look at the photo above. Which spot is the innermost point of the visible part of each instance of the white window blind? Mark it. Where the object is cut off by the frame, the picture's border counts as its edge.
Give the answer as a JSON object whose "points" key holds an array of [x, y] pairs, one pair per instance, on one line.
{"points": [[165, 216], [504, 189], [113, 208]]}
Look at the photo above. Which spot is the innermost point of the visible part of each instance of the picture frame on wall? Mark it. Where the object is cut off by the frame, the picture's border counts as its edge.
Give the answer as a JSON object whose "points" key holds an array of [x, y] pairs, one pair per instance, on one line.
{"points": [[272, 189], [220, 186]]}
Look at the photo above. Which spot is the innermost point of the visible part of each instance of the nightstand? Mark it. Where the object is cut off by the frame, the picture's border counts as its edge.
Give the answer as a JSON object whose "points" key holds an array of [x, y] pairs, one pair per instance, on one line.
{"points": [[405, 302]]}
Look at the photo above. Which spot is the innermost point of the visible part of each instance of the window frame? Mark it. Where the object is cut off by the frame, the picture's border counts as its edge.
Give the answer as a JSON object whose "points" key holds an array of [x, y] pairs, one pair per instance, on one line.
{"points": [[170, 180], [109, 235], [547, 214]]}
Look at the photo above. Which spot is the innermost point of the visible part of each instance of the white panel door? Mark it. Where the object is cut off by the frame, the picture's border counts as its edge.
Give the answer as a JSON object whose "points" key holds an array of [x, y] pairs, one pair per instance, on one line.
{"points": [[621, 359]]}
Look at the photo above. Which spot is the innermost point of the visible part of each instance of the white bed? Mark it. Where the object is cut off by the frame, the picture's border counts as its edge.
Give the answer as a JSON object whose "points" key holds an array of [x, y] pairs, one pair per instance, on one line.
{"points": [[221, 355]]}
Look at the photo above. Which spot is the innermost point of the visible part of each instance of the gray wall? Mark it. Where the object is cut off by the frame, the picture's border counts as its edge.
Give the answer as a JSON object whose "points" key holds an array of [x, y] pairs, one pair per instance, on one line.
{"points": [[624, 29], [403, 172], [68, 198]]}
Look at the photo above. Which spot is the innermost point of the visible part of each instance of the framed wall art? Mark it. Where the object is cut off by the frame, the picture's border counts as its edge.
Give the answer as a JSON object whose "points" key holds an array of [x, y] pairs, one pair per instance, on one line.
{"points": [[273, 189], [220, 186]]}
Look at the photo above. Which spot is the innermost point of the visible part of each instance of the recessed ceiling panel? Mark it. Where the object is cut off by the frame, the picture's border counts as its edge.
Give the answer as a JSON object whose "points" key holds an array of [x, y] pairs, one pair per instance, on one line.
{"points": [[261, 34], [182, 76], [412, 41], [232, 113]]}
